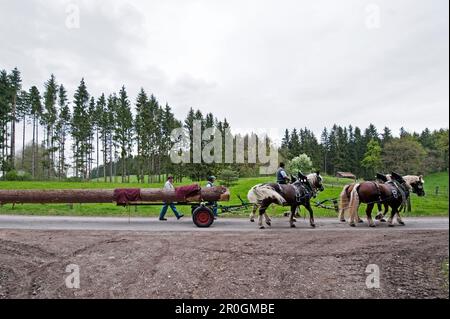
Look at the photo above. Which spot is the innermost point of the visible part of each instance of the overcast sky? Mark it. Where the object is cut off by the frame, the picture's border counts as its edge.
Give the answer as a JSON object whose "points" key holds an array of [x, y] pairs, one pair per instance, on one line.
{"points": [[260, 64]]}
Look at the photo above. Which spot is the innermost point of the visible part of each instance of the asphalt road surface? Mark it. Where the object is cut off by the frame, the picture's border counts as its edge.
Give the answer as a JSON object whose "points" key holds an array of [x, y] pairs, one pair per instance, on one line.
{"points": [[152, 224]]}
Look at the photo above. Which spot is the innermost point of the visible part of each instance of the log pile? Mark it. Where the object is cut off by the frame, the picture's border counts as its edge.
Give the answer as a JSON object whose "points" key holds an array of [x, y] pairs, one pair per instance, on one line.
{"points": [[72, 196]]}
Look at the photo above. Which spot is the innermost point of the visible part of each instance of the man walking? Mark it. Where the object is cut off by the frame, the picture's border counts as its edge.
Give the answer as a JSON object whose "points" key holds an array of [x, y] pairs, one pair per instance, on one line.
{"points": [[169, 185], [211, 180]]}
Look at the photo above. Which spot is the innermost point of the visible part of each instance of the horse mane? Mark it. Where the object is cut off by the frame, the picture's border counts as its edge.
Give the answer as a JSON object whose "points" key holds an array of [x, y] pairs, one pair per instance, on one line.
{"points": [[411, 179], [312, 178]]}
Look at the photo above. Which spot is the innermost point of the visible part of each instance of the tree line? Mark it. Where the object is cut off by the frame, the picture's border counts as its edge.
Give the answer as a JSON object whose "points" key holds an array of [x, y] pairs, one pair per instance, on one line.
{"points": [[111, 136], [366, 151]]}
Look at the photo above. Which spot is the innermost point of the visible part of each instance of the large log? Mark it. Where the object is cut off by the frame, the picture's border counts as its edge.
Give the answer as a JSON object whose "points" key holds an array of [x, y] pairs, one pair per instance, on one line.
{"points": [[148, 195]]}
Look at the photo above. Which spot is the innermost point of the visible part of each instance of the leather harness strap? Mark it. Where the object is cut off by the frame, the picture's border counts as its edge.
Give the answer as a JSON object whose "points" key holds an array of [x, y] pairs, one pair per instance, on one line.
{"points": [[379, 191]]}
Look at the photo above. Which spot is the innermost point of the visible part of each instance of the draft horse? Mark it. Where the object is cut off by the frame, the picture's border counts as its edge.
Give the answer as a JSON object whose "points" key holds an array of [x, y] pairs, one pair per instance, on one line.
{"points": [[415, 184], [298, 193], [393, 193]]}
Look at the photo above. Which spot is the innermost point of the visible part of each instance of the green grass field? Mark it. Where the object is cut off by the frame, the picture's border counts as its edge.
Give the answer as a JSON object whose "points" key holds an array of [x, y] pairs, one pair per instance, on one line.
{"points": [[430, 205]]}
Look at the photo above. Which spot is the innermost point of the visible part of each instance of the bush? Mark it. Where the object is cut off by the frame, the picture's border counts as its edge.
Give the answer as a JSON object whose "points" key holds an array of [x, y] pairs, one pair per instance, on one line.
{"points": [[75, 179], [228, 177], [14, 175], [300, 163]]}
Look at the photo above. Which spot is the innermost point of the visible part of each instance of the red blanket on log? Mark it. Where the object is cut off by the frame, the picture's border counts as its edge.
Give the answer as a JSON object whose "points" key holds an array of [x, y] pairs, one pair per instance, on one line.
{"points": [[122, 196], [187, 191]]}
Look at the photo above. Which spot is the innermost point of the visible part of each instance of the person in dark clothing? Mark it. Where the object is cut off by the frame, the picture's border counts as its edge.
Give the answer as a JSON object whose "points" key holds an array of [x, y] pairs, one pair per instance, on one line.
{"points": [[282, 177], [211, 180]]}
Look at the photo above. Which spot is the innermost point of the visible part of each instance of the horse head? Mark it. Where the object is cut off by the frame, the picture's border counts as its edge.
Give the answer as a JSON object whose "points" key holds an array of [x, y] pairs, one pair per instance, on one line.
{"points": [[416, 184], [316, 181]]}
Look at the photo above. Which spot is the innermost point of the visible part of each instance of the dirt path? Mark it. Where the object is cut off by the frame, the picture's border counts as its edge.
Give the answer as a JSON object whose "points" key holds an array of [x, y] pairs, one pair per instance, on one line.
{"points": [[254, 264]]}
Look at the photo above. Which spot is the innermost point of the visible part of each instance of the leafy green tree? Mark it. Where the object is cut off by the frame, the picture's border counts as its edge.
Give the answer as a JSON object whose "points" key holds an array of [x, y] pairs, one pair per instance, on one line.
{"points": [[301, 163], [372, 158], [404, 156], [228, 177]]}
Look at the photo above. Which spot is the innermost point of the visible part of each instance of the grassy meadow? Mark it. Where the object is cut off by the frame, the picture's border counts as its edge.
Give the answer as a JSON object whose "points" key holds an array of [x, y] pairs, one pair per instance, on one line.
{"points": [[431, 205]]}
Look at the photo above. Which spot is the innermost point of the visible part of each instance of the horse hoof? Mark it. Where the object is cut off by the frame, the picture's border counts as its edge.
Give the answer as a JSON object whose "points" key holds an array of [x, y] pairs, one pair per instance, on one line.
{"points": [[401, 223], [372, 225], [262, 227], [391, 225], [352, 225], [268, 223], [360, 221], [382, 220], [342, 220], [313, 225], [293, 226], [294, 220], [252, 220]]}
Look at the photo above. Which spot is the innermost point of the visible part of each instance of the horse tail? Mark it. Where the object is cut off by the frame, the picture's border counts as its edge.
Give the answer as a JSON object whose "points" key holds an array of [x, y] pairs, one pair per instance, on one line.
{"points": [[251, 195], [354, 203], [343, 201], [261, 191]]}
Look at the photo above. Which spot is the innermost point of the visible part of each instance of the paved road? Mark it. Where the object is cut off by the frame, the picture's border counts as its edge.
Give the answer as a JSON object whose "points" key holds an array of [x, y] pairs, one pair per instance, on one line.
{"points": [[152, 224]]}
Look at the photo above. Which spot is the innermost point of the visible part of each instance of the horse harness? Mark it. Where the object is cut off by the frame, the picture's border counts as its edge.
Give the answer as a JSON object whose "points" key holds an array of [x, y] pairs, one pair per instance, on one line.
{"points": [[302, 191], [398, 191]]}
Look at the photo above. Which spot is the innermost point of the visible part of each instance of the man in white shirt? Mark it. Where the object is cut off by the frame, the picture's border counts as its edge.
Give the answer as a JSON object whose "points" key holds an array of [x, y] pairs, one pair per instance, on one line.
{"points": [[169, 185]]}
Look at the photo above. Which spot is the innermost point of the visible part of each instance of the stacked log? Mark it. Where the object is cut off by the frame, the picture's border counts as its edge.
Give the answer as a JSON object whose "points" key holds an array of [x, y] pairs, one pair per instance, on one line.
{"points": [[72, 196]]}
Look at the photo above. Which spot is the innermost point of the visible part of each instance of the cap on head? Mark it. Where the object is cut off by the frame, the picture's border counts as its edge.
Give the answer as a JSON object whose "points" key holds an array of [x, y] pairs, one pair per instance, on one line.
{"points": [[169, 177], [211, 178]]}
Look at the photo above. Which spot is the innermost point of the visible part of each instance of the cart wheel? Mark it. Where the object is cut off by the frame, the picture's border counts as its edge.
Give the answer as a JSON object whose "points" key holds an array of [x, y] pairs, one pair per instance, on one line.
{"points": [[202, 216]]}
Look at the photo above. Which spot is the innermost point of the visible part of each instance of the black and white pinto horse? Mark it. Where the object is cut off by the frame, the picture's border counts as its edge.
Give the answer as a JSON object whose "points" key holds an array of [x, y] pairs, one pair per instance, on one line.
{"points": [[299, 193]]}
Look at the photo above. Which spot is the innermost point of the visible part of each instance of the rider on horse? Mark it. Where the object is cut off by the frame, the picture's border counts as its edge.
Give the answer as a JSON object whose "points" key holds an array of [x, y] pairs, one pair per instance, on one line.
{"points": [[282, 177]]}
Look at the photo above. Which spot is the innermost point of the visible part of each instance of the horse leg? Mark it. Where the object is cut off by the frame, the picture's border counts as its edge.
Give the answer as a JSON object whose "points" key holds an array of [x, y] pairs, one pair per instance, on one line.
{"points": [[386, 210], [291, 216], [343, 201], [262, 211], [311, 214], [252, 214], [260, 219], [380, 212], [399, 219], [369, 215], [341, 216], [267, 219], [391, 218]]}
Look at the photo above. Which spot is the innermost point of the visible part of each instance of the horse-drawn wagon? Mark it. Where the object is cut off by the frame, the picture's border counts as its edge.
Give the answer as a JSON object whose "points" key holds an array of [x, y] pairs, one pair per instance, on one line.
{"points": [[200, 199]]}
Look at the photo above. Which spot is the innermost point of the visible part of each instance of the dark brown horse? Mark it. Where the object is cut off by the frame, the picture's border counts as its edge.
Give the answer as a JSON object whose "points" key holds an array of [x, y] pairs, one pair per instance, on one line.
{"points": [[394, 194], [298, 193], [415, 185]]}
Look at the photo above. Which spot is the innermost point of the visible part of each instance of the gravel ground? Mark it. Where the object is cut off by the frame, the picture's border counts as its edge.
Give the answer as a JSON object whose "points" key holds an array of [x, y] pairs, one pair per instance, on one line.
{"points": [[255, 264]]}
